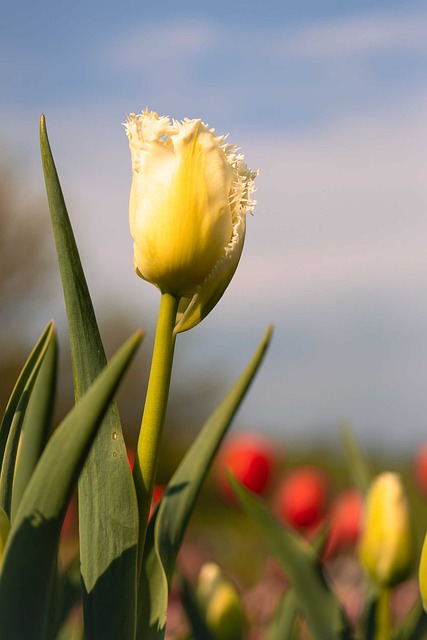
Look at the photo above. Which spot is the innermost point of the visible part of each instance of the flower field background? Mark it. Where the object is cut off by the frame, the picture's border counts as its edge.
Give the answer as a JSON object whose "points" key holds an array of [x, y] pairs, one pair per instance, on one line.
{"points": [[220, 532]]}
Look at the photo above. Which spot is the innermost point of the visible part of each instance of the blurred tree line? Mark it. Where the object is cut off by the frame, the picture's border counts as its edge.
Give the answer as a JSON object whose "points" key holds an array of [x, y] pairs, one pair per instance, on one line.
{"points": [[25, 262]]}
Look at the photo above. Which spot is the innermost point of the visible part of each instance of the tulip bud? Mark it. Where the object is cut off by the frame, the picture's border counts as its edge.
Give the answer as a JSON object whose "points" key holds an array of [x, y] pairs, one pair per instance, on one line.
{"points": [[386, 544], [220, 603], [188, 203]]}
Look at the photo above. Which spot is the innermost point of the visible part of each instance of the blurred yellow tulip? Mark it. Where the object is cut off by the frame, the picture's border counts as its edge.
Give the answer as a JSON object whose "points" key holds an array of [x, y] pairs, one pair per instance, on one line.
{"points": [[386, 543], [220, 604], [188, 203]]}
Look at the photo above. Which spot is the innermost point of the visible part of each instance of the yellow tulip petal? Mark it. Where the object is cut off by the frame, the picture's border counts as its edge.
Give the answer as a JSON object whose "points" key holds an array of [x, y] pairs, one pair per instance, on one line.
{"points": [[189, 197], [194, 310]]}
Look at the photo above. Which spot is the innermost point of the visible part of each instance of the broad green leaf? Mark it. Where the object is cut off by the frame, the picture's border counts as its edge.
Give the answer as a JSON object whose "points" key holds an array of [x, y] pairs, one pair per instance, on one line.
{"points": [[358, 465], [10, 453], [29, 564], [315, 600], [167, 526], [107, 499], [36, 424], [19, 388]]}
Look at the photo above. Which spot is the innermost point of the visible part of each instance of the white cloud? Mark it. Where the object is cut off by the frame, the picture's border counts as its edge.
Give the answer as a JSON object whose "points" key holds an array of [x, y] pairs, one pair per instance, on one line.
{"points": [[368, 33], [344, 207], [154, 44], [354, 35], [313, 71]]}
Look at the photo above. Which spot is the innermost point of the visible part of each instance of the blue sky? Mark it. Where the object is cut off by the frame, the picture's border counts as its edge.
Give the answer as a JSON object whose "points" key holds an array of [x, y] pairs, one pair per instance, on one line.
{"points": [[329, 100]]}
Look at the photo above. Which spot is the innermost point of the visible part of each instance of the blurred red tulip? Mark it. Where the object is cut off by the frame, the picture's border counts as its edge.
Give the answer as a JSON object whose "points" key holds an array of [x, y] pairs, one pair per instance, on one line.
{"points": [[344, 521], [302, 497], [69, 526], [131, 456], [158, 491], [420, 468], [250, 458]]}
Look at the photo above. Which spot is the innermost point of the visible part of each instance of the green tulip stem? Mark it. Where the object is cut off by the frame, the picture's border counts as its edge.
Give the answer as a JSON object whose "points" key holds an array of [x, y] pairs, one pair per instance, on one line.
{"points": [[150, 436], [383, 615]]}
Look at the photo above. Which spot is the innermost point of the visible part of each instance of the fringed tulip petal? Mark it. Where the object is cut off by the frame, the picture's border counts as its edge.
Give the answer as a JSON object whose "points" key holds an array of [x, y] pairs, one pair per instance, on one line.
{"points": [[188, 203]]}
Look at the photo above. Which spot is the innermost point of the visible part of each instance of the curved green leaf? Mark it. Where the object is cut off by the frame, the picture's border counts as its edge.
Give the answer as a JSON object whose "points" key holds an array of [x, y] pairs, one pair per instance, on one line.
{"points": [[10, 453], [19, 388], [283, 625], [167, 526], [317, 603], [107, 496], [29, 564], [36, 424]]}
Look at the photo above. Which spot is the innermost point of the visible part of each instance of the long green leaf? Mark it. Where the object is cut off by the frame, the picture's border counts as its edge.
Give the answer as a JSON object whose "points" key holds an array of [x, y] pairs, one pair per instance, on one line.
{"points": [[107, 496], [9, 458], [29, 565], [19, 388], [284, 622], [167, 526], [317, 603], [283, 625], [36, 424]]}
